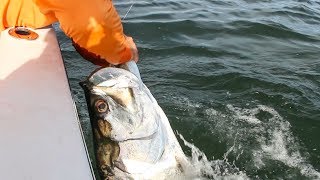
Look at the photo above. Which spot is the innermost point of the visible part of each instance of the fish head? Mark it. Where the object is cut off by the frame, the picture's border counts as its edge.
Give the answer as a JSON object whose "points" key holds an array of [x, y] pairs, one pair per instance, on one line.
{"points": [[117, 98], [132, 135]]}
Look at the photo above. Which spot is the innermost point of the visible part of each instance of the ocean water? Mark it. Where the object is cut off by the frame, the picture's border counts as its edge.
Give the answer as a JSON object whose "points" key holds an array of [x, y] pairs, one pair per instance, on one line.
{"points": [[239, 81]]}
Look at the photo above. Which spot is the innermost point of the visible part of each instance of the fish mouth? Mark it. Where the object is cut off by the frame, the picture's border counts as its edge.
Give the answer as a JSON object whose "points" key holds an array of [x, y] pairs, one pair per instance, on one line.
{"points": [[125, 162], [148, 137], [133, 150], [121, 156]]}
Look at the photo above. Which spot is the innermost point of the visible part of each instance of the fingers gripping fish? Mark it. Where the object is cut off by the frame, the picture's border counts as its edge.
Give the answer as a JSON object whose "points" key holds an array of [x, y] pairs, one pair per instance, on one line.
{"points": [[132, 135]]}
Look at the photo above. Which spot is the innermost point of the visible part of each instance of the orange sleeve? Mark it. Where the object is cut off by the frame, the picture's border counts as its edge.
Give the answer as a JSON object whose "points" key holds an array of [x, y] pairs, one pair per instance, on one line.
{"points": [[94, 26], [23, 13]]}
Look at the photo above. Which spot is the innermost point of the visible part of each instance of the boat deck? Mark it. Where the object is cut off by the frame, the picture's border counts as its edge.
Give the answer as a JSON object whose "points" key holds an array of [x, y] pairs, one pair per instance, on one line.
{"points": [[40, 134]]}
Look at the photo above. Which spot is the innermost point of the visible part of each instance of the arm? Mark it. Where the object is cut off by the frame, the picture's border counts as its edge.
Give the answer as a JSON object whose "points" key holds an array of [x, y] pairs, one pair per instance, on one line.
{"points": [[95, 29]]}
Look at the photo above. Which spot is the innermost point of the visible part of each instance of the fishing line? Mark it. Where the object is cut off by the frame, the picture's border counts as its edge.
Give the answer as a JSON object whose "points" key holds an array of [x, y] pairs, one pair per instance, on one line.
{"points": [[133, 2]]}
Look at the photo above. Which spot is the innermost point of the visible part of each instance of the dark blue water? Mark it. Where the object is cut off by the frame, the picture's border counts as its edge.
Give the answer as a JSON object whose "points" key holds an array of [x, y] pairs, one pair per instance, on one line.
{"points": [[238, 79]]}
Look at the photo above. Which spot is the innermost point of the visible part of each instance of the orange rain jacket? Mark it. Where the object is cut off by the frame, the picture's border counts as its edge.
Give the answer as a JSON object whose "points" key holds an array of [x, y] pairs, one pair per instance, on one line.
{"points": [[93, 25]]}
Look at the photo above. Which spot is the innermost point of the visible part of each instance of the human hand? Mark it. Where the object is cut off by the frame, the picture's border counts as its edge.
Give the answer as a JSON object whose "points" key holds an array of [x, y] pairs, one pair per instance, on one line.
{"points": [[134, 50]]}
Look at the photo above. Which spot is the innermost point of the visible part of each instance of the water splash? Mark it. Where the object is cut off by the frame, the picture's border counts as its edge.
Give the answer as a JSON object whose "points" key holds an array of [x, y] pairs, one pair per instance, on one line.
{"points": [[265, 141], [203, 168], [260, 143]]}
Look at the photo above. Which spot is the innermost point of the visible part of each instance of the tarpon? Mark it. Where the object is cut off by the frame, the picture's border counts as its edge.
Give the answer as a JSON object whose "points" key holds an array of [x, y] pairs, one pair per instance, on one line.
{"points": [[132, 136]]}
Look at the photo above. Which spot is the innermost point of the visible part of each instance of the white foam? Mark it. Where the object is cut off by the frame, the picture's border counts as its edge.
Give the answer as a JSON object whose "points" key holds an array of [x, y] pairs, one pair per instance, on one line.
{"points": [[247, 115], [186, 102], [277, 143], [263, 138], [202, 168]]}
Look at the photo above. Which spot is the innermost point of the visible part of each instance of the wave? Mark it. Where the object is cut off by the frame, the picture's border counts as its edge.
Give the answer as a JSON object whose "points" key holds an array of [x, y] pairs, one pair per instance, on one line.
{"points": [[274, 143], [277, 142], [266, 140], [203, 168]]}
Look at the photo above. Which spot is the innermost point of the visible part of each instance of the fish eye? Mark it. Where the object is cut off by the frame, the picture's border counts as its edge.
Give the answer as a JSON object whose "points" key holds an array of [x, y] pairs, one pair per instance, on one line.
{"points": [[101, 106]]}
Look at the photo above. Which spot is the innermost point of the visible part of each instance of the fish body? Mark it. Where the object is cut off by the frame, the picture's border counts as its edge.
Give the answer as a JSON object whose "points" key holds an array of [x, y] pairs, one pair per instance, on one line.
{"points": [[132, 135]]}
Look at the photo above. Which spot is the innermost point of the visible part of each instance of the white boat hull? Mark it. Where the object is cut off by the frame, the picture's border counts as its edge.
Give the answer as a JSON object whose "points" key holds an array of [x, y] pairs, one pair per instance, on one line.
{"points": [[40, 134]]}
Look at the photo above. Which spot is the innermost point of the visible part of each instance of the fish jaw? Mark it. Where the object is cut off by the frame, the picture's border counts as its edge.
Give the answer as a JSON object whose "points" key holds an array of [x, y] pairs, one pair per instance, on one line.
{"points": [[142, 170]]}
